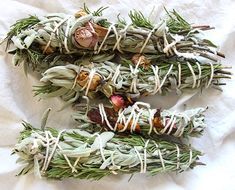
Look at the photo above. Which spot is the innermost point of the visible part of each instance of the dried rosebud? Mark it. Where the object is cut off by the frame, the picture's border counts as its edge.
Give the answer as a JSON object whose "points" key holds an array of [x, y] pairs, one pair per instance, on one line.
{"points": [[157, 123], [117, 101], [121, 126], [80, 13], [94, 116], [169, 122], [100, 31], [48, 50], [86, 37], [83, 78], [141, 59]]}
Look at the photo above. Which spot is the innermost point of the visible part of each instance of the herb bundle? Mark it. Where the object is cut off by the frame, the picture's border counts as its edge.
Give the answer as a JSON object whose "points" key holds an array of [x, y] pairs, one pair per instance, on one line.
{"points": [[87, 56], [72, 82], [40, 42], [79, 154], [141, 119]]}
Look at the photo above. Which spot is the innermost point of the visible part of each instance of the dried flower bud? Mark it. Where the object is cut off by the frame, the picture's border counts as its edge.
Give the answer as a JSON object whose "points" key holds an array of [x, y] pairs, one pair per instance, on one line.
{"points": [[100, 31], [108, 89], [83, 78], [48, 50], [157, 123], [86, 37], [117, 101], [168, 122], [94, 116], [121, 126], [144, 62], [80, 13]]}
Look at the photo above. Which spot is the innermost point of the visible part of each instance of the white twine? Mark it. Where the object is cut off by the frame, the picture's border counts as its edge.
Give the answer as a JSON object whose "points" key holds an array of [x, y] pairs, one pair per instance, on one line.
{"points": [[54, 30], [148, 38], [141, 161], [168, 124], [123, 32], [91, 75], [56, 144], [104, 116], [66, 35], [48, 158], [116, 74], [101, 146], [178, 156], [66, 158], [134, 72], [179, 75], [211, 76], [193, 74], [87, 103], [190, 157], [145, 156], [163, 81], [199, 74], [112, 26], [156, 79], [171, 126], [167, 51], [47, 151], [160, 156]]}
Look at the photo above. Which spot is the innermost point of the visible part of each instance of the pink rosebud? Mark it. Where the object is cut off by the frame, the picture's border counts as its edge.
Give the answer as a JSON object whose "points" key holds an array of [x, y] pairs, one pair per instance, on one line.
{"points": [[85, 37], [117, 101]]}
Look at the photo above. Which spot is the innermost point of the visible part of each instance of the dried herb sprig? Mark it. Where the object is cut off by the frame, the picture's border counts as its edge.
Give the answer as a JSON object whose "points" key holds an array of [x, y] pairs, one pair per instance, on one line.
{"points": [[140, 118], [21, 24], [78, 154], [71, 81], [88, 34]]}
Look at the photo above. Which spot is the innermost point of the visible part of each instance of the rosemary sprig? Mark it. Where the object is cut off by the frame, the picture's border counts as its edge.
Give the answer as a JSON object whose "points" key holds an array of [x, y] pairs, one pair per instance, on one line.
{"points": [[98, 12], [20, 25], [121, 21], [78, 154], [176, 23], [139, 20]]}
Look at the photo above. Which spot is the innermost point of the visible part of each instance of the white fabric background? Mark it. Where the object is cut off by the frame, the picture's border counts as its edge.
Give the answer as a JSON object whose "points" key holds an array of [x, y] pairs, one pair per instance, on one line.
{"points": [[218, 143]]}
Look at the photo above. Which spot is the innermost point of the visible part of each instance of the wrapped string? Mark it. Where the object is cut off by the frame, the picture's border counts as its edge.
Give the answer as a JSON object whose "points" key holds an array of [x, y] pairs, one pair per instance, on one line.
{"points": [[138, 115]]}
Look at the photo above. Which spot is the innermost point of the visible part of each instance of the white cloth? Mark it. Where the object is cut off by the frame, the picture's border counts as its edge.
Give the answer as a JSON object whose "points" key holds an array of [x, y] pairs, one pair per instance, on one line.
{"points": [[218, 143]]}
